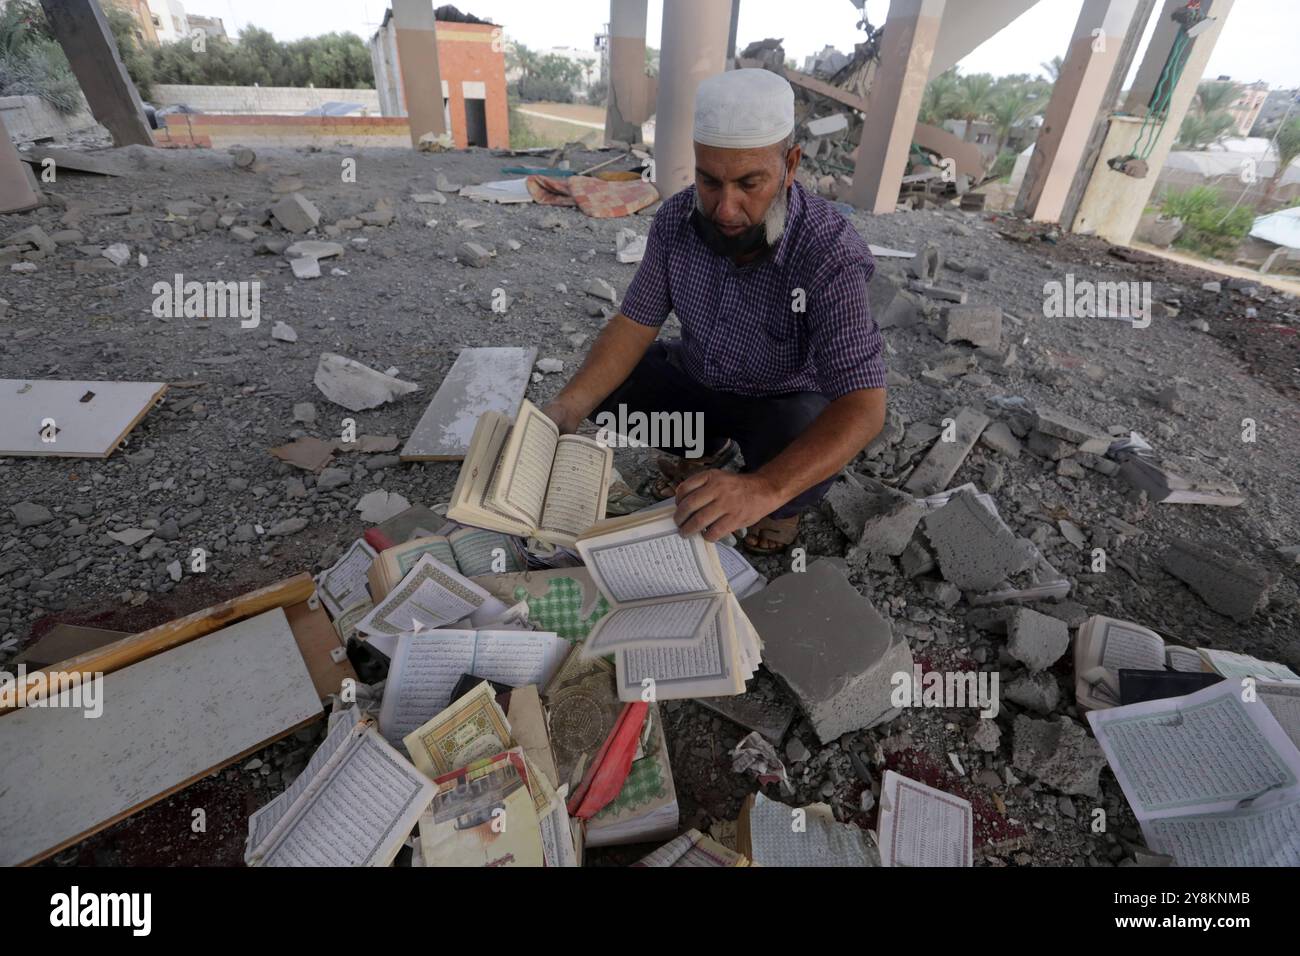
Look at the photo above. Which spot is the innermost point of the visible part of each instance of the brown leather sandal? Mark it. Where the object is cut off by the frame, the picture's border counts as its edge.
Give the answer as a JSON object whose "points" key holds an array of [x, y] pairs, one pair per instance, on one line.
{"points": [[778, 533], [674, 470]]}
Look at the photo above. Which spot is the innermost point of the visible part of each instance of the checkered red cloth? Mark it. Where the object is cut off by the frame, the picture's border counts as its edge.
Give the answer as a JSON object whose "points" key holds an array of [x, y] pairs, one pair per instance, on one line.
{"points": [[741, 329], [594, 197]]}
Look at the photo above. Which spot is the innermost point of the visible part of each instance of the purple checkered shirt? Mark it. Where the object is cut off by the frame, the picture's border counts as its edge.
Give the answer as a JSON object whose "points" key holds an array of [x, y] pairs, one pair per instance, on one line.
{"points": [[740, 330]]}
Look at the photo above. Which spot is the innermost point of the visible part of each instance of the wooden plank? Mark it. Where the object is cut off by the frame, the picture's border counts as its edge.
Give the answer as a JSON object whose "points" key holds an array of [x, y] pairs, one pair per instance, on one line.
{"points": [[317, 639], [814, 85], [137, 647], [481, 380], [90, 418], [165, 722]]}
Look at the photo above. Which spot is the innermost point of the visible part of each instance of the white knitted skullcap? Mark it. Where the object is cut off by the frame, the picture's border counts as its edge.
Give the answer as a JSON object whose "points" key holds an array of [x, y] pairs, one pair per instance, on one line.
{"points": [[743, 109]]}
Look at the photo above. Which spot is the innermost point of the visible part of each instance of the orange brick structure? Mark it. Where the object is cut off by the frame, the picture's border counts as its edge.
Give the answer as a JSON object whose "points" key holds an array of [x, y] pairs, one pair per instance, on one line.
{"points": [[472, 63], [211, 130]]}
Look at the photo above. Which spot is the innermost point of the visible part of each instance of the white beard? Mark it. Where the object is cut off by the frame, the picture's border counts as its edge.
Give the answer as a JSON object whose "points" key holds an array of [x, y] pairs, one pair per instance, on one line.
{"points": [[773, 219]]}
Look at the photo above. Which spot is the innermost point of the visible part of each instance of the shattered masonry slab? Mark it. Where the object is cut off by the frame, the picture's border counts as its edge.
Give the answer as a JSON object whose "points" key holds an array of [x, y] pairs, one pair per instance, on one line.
{"points": [[1059, 753], [832, 649], [980, 325], [974, 547], [1036, 640], [1047, 446], [296, 213], [1231, 587], [1058, 424], [892, 517], [944, 458]]}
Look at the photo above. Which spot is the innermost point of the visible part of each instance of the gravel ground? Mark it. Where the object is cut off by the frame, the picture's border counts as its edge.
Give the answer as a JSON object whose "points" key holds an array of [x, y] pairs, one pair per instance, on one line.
{"points": [[197, 473]]}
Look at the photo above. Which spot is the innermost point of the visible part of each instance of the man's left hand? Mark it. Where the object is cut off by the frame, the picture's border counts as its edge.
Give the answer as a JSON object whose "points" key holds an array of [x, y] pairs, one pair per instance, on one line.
{"points": [[716, 503]]}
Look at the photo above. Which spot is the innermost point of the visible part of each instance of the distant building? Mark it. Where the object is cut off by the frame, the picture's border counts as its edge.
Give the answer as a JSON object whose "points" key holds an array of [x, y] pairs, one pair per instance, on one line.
{"points": [[212, 26], [1274, 108], [169, 20], [145, 34], [1246, 107], [826, 63], [472, 62]]}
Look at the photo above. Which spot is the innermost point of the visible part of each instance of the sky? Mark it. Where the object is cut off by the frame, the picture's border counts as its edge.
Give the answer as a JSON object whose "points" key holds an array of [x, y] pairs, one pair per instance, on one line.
{"points": [[1260, 41]]}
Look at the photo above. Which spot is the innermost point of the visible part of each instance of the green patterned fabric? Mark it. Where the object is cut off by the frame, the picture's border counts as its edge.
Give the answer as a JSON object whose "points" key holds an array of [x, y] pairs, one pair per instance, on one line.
{"points": [[644, 785], [560, 609]]}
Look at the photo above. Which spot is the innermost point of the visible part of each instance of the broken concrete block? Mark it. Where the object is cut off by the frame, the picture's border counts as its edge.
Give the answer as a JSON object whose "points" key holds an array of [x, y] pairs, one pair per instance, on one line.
{"points": [[429, 199], [600, 289], [891, 520], [1038, 692], [925, 265], [1036, 640], [999, 438], [1046, 446], [945, 457], [332, 478], [826, 125], [473, 254], [29, 514], [830, 647], [243, 233], [848, 503], [1059, 753], [550, 366], [314, 249], [980, 325], [377, 217], [380, 505], [1233, 588], [33, 236], [283, 332], [916, 558], [296, 213], [357, 387], [305, 267], [304, 412], [1058, 424], [975, 549]]}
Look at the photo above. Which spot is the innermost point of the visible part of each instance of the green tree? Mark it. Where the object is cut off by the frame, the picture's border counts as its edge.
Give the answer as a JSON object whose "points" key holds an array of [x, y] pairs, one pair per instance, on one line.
{"points": [[939, 97], [1053, 68], [973, 101], [1214, 96], [31, 62], [1288, 148]]}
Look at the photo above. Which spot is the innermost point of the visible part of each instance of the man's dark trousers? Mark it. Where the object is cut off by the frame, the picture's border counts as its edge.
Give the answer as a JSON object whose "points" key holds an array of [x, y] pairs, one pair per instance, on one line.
{"points": [[762, 426]]}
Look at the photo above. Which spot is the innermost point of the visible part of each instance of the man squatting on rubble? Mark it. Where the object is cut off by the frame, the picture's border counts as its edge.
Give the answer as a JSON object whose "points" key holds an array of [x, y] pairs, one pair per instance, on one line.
{"points": [[798, 392]]}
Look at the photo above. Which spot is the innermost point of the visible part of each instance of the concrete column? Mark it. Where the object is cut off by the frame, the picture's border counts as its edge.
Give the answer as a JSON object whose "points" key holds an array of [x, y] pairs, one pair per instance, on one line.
{"points": [[894, 102], [731, 34], [693, 46], [82, 31], [627, 104], [1153, 61], [16, 192], [1113, 202], [417, 55], [1077, 95]]}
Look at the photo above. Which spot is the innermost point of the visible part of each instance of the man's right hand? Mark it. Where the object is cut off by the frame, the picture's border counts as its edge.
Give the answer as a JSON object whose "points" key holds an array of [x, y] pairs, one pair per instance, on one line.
{"points": [[565, 419]]}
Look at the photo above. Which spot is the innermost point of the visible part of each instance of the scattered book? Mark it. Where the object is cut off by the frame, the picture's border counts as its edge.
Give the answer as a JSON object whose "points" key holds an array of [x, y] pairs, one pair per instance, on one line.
{"points": [[343, 585], [427, 666], [525, 478], [483, 814], [1104, 645], [431, 595], [1137, 686], [772, 834], [673, 621], [693, 848], [918, 825], [1241, 807], [471, 551], [353, 805]]}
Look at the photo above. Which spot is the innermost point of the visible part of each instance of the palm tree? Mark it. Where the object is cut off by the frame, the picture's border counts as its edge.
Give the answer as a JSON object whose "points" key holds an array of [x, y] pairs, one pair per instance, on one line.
{"points": [[937, 101], [1200, 130], [1215, 96], [1288, 148], [1009, 108], [974, 100], [1053, 68]]}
